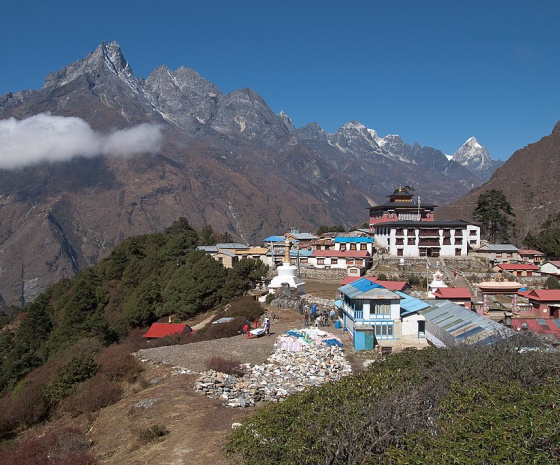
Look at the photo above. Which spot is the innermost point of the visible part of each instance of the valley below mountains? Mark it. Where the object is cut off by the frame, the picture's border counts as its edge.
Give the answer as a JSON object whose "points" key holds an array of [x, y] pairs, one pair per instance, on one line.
{"points": [[224, 160]]}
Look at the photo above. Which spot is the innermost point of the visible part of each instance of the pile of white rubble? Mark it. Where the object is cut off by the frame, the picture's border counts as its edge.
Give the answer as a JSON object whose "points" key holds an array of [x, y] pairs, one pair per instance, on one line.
{"points": [[301, 358]]}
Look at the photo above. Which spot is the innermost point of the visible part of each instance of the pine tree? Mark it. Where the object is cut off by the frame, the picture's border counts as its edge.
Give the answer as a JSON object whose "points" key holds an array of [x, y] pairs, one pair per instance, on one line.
{"points": [[494, 213]]}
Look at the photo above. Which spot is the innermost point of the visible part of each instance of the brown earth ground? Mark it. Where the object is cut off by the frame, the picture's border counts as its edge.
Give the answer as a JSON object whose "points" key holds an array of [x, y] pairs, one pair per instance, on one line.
{"points": [[198, 427]]}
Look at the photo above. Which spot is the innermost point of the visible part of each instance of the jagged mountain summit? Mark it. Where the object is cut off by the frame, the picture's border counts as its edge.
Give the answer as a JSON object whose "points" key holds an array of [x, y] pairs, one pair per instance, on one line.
{"points": [[476, 158], [133, 154]]}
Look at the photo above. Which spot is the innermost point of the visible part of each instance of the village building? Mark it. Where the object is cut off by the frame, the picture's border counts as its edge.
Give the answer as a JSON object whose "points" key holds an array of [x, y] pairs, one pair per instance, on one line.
{"points": [[458, 295], [532, 256], [276, 245], [405, 228], [400, 207], [551, 268], [449, 324], [498, 253], [518, 269], [545, 303], [344, 243], [372, 314], [338, 259]]}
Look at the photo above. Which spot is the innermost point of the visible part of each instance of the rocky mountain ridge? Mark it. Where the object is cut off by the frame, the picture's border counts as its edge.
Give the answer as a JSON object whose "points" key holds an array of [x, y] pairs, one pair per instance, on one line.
{"points": [[225, 160], [476, 158]]}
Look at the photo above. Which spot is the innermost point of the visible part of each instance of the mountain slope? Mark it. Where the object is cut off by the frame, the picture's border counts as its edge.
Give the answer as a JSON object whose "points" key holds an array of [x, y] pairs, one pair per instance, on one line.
{"points": [[529, 179], [226, 160]]}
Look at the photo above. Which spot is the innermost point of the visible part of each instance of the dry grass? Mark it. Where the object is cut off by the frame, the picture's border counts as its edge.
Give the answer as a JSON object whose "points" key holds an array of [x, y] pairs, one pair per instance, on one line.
{"points": [[322, 288]]}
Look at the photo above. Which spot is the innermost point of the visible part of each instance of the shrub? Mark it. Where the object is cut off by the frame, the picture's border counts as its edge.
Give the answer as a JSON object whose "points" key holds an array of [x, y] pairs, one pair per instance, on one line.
{"points": [[92, 395], [552, 283], [382, 277], [153, 433], [413, 280], [117, 364], [245, 307], [269, 298], [66, 446], [223, 365]]}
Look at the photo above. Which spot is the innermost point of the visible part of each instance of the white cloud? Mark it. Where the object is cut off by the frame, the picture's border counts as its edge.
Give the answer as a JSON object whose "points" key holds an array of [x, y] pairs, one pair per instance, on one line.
{"points": [[45, 137]]}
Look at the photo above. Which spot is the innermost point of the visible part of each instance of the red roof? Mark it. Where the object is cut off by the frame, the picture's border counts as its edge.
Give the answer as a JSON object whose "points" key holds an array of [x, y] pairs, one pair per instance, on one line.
{"points": [[542, 295], [167, 329], [530, 252], [391, 285], [538, 325], [340, 253], [453, 293], [518, 266]]}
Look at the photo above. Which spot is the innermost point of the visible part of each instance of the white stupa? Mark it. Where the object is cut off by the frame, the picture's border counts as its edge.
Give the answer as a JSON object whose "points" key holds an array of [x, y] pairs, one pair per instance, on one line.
{"points": [[287, 274], [436, 283]]}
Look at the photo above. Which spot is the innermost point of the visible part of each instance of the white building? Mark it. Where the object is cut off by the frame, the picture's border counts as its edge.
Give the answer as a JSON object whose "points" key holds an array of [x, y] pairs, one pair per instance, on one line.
{"points": [[426, 238]]}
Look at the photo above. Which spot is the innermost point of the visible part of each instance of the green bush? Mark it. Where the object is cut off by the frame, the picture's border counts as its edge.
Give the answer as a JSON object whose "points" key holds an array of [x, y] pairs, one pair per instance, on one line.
{"points": [[459, 405], [552, 283], [65, 379]]}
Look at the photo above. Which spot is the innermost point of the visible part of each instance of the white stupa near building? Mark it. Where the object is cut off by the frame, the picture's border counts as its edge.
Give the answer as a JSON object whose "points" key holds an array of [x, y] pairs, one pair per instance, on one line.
{"points": [[287, 274], [436, 283]]}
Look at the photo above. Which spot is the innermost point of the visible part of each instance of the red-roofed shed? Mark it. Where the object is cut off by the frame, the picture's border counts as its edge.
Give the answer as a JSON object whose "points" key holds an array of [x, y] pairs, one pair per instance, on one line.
{"points": [[459, 295], [158, 330]]}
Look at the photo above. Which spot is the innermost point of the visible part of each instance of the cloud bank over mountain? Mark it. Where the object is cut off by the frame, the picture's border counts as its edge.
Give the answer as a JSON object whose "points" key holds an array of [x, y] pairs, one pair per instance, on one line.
{"points": [[48, 138]]}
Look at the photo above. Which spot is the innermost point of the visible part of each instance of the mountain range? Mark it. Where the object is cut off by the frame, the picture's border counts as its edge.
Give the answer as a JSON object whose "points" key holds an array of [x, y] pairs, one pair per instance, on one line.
{"points": [[100, 155]]}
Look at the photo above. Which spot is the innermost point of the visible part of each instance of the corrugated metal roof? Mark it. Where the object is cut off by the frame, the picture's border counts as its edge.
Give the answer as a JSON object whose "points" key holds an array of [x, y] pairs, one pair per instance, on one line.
{"points": [[232, 245], [365, 289], [410, 304], [208, 248], [463, 325], [302, 236], [498, 247]]}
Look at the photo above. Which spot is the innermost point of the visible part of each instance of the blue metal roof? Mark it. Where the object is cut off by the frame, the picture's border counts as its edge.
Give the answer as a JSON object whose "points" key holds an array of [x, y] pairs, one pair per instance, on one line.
{"points": [[354, 239], [358, 287], [411, 304], [274, 239]]}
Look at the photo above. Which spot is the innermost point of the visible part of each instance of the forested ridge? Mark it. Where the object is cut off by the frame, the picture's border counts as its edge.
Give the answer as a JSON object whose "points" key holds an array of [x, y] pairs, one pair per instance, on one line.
{"points": [[67, 327]]}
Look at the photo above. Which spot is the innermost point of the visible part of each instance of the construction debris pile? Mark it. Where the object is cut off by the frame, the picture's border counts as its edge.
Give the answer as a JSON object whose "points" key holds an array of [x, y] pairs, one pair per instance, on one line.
{"points": [[301, 358]]}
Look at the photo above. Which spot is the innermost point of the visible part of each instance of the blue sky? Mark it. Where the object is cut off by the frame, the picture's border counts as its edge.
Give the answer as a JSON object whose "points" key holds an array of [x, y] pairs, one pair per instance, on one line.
{"points": [[435, 72]]}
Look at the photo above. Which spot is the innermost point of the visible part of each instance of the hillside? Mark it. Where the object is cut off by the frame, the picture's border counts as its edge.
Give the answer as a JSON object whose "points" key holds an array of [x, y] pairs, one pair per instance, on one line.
{"points": [[529, 179]]}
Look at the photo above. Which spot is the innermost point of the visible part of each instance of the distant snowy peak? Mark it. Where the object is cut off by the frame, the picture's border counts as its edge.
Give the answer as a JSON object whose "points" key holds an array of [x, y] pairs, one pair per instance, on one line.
{"points": [[472, 155]]}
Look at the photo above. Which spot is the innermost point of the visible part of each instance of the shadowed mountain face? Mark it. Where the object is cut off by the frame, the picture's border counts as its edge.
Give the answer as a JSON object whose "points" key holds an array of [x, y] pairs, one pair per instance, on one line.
{"points": [[226, 160], [529, 179]]}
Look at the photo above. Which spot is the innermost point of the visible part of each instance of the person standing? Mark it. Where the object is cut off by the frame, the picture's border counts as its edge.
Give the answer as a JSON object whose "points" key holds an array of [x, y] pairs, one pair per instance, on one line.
{"points": [[306, 319], [267, 327]]}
